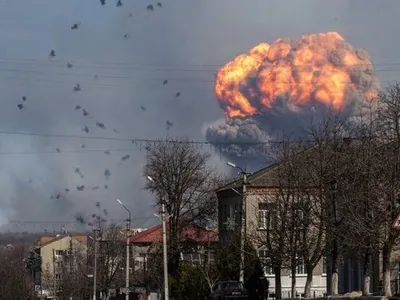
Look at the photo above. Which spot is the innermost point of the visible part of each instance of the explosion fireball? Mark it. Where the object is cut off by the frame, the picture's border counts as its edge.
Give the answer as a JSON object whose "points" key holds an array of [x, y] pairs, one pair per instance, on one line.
{"points": [[275, 87]]}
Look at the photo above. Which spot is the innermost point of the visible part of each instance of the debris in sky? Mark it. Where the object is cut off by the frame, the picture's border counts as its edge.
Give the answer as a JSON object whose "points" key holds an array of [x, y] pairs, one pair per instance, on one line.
{"points": [[85, 112], [83, 146], [95, 188], [77, 88], [165, 82], [93, 216], [143, 108], [159, 4], [75, 26], [115, 130], [95, 77], [78, 107], [125, 157], [78, 171], [107, 174], [23, 98], [20, 106], [90, 224], [98, 204], [169, 124], [150, 7], [177, 94], [103, 2], [130, 14], [58, 150], [106, 186], [67, 190], [126, 35], [80, 219], [80, 188], [69, 65], [86, 129], [119, 3], [58, 196], [105, 212], [101, 125], [52, 53], [107, 152]]}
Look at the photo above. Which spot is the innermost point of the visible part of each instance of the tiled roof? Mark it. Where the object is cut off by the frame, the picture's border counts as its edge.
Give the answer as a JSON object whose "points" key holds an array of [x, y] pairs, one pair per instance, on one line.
{"points": [[193, 232]]}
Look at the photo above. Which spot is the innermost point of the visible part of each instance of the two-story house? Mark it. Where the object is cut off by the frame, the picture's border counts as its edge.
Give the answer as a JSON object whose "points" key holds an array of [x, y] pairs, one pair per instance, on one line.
{"points": [[260, 186]]}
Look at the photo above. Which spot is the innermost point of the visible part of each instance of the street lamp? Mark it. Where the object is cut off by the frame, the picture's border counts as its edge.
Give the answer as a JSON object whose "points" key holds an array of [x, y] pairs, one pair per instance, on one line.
{"points": [[243, 225], [95, 231], [165, 253], [128, 229]]}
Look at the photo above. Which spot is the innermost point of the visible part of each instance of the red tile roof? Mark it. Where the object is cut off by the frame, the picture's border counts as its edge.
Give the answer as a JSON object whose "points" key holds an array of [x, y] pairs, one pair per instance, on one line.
{"points": [[193, 232]]}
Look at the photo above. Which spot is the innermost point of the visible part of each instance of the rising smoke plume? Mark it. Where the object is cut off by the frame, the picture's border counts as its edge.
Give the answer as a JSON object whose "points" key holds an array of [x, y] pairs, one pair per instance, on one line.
{"points": [[279, 87]]}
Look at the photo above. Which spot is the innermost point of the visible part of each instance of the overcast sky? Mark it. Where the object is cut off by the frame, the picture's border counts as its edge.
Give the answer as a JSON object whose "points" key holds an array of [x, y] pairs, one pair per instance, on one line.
{"points": [[183, 41]]}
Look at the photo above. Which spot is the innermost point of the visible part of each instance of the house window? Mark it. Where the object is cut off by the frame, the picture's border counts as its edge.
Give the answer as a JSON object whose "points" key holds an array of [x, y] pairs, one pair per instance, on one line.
{"points": [[301, 269], [194, 258], [324, 265], [59, 252], [265, 215], [266, 262], [299, 214]]}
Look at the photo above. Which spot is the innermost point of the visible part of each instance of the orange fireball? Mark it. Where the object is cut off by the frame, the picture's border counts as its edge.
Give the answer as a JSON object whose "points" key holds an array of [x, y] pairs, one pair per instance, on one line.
{"points": [[318, 68]]}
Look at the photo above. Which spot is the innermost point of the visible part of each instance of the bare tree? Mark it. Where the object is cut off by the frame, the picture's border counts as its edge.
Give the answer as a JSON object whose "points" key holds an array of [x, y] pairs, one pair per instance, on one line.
{"points": [[15, 283], [183, 179]]}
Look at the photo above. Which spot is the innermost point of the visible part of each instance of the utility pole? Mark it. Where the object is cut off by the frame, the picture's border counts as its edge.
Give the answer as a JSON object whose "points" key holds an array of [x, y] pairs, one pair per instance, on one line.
{"points": [[95, 264], [165, 250], [128, 229], [243, 218]]}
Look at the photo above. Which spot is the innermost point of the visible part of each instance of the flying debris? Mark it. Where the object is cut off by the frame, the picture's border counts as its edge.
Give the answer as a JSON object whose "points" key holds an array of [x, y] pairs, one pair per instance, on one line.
{"points": [[85, 112], [105, 212], [278, 87], [103, 2], [107, 152], [69, 65], [107, 174], [159, 4], [78, 171], [165, 82], [20, 106], [52, 53], [83, 146], [23, 98], [80, 219], [150, 7], [58, 196], [78, 107], [130, 15], [143, 108], [106, 186], [86, 129], [77, 88], [75, 26], [125, 157], [177, 94], [169, 124], [58, 150], [119, 3], [94, 215], [101, 125], [98, 204], [95, 77], [80, 188], [67, 190], [126, 35], [95, 188], [115, 130]]}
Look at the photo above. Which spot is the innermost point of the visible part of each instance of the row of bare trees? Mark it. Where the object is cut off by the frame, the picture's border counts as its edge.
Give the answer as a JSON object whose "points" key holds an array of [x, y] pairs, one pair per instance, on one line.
{"points": [[337, 192]]}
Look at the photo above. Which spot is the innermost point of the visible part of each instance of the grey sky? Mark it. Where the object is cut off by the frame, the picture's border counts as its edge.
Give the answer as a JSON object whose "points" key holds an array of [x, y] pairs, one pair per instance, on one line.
{"points": [[192, 37]]}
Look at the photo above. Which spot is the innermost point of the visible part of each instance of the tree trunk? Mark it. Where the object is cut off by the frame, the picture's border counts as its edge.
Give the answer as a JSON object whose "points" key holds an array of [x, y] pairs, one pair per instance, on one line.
{"points": [[293, 271], [307, 287], [367, 272], [278, 283], [335, 269], [387, 291]]}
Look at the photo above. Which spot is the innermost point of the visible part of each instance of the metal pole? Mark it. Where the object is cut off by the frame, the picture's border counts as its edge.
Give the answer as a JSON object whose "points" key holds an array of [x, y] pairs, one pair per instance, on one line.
{"points": [[165, 253], [243, 228], [128, 229], [95, 266]]}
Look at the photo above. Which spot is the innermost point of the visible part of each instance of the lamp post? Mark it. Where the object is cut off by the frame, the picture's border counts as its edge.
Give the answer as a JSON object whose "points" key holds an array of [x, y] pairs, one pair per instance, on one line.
{"points": [[128, 229], [165, 253], [95, 264], [243, 215]]}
